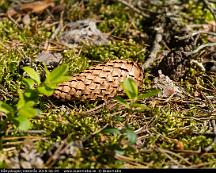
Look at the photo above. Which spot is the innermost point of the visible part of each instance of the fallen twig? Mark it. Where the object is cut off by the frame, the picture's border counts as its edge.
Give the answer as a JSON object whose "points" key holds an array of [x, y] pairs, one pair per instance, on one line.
{"points": [[130, 161], [52, 160], [97, 109], [207, 149], [194, 34], [59, 28], [176, 155], [155, 48], [98, 131], [169, 157], [199, 49]]}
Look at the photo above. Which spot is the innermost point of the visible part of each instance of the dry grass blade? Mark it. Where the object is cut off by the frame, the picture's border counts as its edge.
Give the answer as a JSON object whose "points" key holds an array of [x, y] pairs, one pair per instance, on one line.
{"points": [[130, 161], [176, 155]]}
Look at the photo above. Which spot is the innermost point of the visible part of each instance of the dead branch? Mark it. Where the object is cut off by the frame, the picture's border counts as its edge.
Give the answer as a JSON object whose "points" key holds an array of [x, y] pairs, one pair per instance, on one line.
{"points": [[155, 48], [194, 34], [199, 49]]}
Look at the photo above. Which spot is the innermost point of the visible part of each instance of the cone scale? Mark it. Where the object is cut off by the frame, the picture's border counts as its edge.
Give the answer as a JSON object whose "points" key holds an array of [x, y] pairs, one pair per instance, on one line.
{"points": [[101, 82]]}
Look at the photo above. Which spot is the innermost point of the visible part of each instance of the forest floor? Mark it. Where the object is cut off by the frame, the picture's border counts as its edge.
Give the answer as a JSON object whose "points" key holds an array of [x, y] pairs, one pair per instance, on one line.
{"points": [[173, 40]]}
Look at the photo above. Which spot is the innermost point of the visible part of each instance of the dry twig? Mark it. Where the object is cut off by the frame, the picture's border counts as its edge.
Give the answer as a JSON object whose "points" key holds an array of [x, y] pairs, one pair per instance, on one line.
{"points": [[194, 34], [155, 49], [199, 49], [176, 155], [207, 149]]}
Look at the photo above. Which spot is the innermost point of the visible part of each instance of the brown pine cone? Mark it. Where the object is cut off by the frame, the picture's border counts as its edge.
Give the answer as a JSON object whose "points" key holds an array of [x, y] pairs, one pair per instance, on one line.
{"points": [[101, 82]]}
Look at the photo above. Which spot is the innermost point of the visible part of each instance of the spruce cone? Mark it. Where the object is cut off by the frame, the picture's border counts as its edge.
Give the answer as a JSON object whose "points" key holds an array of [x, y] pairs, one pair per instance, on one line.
{"points": [[101, 82]]}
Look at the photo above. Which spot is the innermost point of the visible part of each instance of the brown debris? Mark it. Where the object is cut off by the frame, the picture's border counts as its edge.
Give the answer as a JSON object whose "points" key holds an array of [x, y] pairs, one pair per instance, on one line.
{"points": [[175, 65], [179, 145], [166, 85], [37, 6], [34, 7], [101, 82], [26, 158], [83, 31], [209, 59], [49, 58]]}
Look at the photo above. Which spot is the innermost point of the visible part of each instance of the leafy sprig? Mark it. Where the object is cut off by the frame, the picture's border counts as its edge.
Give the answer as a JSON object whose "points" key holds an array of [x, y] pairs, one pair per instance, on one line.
{"points": [[25, 109]]}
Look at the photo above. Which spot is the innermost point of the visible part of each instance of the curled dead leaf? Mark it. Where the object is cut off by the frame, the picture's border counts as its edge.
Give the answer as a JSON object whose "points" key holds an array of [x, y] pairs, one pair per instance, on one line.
{"points": [[34, 7], [37, 6]]}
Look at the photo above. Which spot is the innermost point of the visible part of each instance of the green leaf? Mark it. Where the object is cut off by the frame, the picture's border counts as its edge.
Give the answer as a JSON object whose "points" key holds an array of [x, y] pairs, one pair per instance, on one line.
{"points": [[150, 93], [27, 110], [53, 84], [24, 123], [2, 163], [111, 131], [45, 90], [57, 73], [6, 108], [29, 83], [31, 95], [130, 88], [30, 103], [33, 74], [46, 69], [132, 137], [21, 101], [122, 101], [140, 106]]}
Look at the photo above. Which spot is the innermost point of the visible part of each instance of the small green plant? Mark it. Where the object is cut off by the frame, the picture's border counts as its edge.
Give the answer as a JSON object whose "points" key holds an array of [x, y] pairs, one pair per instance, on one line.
{"points": [[25, 109], [131, 90], [125, 133]]}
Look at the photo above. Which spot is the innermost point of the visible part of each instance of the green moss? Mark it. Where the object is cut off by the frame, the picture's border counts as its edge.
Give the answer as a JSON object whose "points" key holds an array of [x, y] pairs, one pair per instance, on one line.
{"points": [[115, 20], [159, 123], [116, 50], [76, 62], [197, 12]]}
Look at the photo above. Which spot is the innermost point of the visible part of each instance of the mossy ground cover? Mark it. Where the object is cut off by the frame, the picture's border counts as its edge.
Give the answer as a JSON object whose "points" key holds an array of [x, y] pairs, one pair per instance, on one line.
{"points": [[174, 132]]}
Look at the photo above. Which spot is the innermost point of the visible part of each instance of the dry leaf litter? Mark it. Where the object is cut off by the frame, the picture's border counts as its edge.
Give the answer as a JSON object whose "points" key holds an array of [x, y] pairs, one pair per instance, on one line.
{"points": [[83, 31]]}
